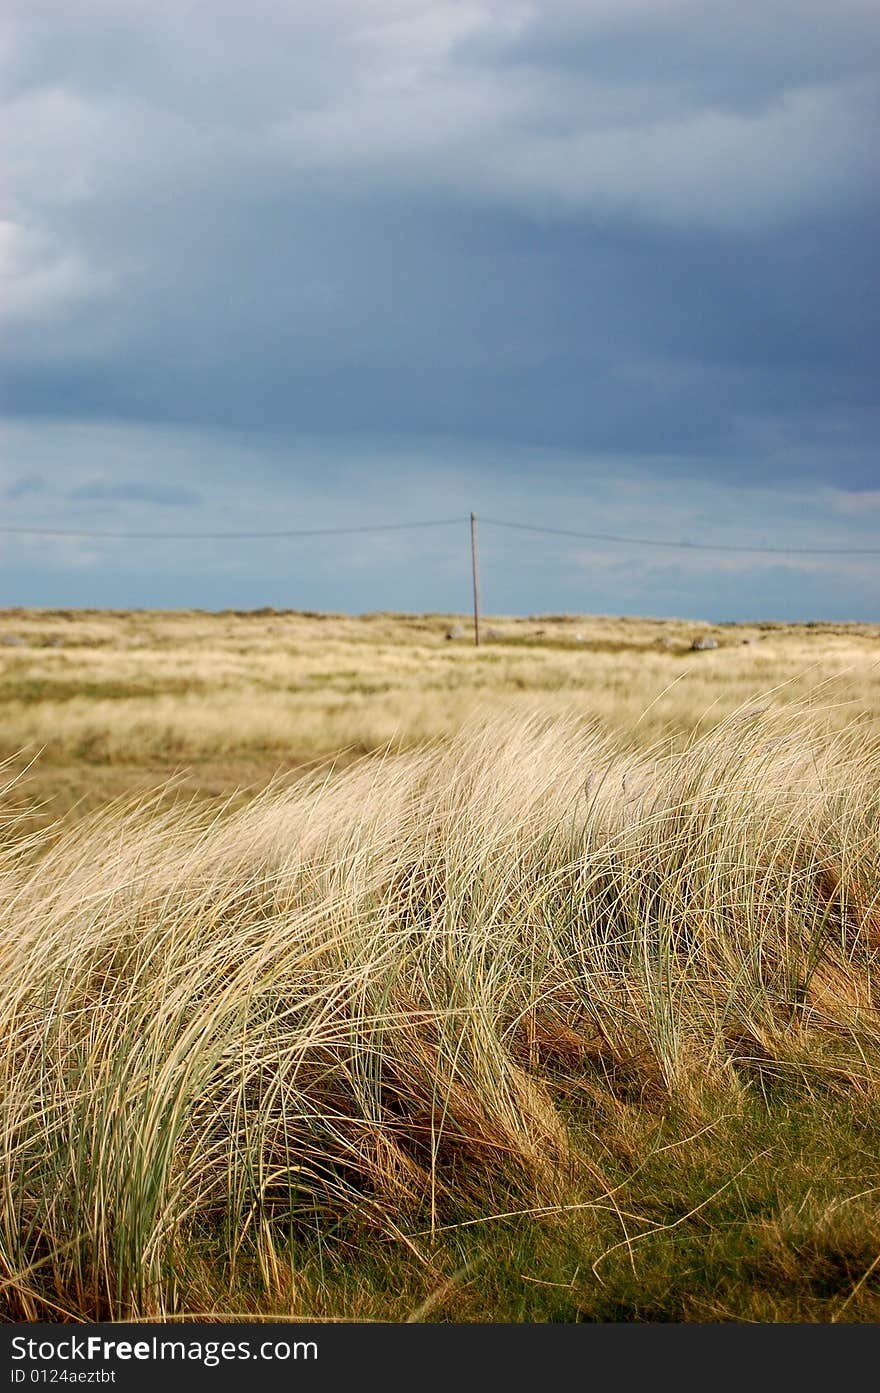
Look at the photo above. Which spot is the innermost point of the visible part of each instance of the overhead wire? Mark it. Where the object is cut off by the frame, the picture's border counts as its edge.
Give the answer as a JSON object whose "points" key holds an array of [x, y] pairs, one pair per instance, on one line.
{"points": [[682, 544]]}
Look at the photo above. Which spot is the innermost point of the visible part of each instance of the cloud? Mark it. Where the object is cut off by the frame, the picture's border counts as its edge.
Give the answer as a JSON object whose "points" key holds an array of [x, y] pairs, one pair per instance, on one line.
{"points": [[852, 504], [23, 486], [40, 281], [244, 247], [669, 114], [165, 495]]}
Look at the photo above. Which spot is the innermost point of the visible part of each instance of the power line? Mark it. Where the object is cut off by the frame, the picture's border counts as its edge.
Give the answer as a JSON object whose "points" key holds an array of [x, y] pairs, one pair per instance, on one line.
{"points": [[87, 533], [227, 536], [684, 546]]}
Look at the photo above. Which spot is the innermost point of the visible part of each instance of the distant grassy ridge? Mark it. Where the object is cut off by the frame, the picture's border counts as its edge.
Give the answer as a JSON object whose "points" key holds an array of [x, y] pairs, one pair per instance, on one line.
{"points": [[524, 1024]]}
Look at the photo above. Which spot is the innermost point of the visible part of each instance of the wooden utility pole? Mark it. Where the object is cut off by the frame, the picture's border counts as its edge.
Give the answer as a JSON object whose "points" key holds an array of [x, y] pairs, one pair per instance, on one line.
{"points": [[475, 566]]}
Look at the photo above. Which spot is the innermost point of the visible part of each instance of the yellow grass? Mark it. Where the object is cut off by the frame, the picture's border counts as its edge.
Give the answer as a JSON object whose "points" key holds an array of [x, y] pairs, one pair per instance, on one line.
{"points": [[113, 701], [451, 982]]}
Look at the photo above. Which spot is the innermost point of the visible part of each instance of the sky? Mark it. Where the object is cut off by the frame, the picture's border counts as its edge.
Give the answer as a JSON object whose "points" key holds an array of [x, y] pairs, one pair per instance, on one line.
{"points": [[606, 266]]}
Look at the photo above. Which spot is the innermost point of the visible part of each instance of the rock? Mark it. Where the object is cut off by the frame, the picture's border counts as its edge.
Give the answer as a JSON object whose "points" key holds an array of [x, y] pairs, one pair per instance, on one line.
{"points": [[494, 633], [578, 638], [13, 641], [455, 632], [700, 645], [668, 642]]}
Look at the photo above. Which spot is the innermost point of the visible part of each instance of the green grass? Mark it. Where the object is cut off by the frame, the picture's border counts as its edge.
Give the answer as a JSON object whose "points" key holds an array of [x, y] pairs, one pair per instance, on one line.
{"points": [[768, 1214]]}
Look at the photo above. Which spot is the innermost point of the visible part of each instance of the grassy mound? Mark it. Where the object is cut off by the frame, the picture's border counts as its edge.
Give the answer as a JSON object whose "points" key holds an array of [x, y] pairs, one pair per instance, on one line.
{"points": [[522, 1026]]}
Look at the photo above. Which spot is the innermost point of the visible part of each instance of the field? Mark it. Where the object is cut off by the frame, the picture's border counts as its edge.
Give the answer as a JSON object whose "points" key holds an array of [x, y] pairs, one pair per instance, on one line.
{"points": [[111, 703], [352, 972]]}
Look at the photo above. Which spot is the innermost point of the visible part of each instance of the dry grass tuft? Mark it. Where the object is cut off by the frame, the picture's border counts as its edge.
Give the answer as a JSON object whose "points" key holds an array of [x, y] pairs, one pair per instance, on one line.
{"points": [[377, 1001]]}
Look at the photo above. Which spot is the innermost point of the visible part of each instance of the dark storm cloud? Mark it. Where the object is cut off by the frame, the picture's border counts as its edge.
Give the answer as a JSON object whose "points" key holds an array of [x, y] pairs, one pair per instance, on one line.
{"points": [[637, 342], [738, 58], [611, 229]]}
